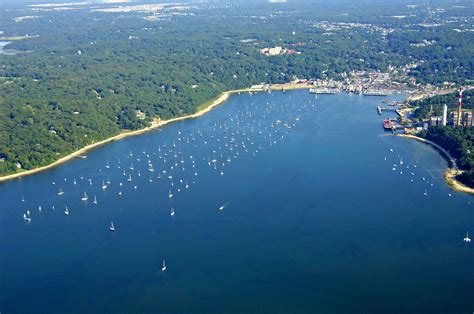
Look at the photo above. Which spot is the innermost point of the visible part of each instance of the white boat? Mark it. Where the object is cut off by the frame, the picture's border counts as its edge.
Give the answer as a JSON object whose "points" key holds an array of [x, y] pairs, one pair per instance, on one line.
{"points": [[129, 178], [112, 227], [163, 268], [27, 216], [104, 186], [95, 200], [170, 195], [85, 197], [426, 193], [66, 211], [107, 165], [172, 211], [61, 192], [466, 238]]}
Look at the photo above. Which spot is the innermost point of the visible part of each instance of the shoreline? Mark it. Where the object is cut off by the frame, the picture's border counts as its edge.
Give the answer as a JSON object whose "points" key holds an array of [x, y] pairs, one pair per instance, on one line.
{"points": [[156, 124], [452, 171]]}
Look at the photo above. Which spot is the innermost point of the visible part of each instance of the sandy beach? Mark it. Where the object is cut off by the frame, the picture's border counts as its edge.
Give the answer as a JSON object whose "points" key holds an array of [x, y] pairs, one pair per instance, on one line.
{"points": [[154, 125], [451, 173]]}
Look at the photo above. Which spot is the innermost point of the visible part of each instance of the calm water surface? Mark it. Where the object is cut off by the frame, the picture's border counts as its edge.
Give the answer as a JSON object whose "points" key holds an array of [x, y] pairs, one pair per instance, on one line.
{"points": [[294, 204]]}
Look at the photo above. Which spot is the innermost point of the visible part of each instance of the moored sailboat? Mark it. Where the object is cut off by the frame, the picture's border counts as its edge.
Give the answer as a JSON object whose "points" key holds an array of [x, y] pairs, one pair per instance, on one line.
{"points": [[85, 197], [163, 267]]}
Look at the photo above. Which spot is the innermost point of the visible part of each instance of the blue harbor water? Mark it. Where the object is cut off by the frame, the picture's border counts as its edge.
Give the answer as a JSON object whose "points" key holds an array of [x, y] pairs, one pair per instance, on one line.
{"points": [[283, 203]]}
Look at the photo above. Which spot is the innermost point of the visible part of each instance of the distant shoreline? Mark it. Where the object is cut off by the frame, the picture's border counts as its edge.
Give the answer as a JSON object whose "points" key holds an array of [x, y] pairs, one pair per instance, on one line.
{"points": [[155, 125], [452, 171]]}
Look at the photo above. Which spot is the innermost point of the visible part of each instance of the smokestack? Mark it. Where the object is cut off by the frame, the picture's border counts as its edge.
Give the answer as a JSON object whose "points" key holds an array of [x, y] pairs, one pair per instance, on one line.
{"points": [[460, 106], [445, 114]]}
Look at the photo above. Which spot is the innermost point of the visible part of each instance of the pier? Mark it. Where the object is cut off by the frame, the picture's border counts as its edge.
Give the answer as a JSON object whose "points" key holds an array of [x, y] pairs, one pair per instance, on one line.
{"points": [[381, 109]]}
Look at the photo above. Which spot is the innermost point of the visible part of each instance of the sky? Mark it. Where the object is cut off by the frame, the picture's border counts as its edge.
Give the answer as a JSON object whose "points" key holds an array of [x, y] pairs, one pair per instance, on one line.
{"points": [[22, 2]]}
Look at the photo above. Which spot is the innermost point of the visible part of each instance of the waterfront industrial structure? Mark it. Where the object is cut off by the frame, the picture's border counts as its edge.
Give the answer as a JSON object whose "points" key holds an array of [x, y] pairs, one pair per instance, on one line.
{"points": [[459, 116], [445, 115]]}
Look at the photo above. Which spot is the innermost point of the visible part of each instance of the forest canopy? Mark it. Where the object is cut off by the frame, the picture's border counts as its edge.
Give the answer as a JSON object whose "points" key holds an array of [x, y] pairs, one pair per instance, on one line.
{"points": [[69, 78]]}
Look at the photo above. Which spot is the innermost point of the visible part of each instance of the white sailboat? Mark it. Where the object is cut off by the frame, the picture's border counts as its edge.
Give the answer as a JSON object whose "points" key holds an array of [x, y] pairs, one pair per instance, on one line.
{"points": [[61, 192], [27, 216], [172, 211], [85, 197], [170, 195], [104, 186], [95, 200], [66, 211], [112, 227], [163, 268], [466, 238]]}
